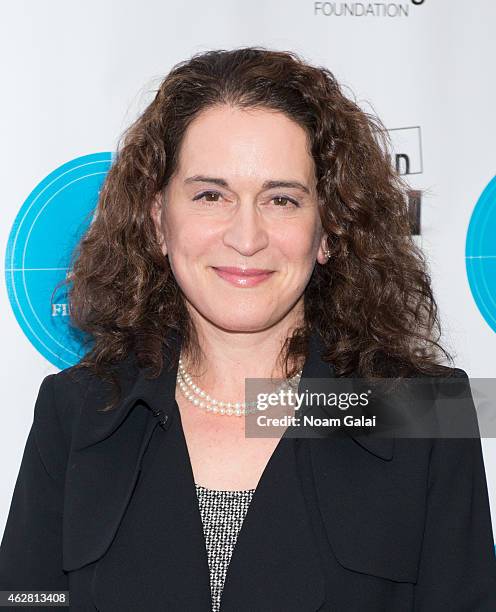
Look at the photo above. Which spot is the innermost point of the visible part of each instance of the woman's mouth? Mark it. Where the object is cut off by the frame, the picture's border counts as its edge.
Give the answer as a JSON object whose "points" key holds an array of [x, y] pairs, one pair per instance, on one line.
{"points": [[243, 277]]}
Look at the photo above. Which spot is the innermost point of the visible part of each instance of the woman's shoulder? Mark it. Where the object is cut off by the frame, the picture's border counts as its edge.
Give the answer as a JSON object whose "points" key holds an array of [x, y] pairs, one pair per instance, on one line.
{"points": [[76, 382], [64, 395]]}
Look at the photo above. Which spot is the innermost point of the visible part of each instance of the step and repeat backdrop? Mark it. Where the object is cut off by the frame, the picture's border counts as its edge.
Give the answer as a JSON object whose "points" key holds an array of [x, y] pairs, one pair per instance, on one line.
{"points": [[76, 74]]}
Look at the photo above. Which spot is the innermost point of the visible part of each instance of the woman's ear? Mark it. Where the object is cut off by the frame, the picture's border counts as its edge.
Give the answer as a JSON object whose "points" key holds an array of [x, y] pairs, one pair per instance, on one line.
{"points": [[157, 218], [323, 252]]}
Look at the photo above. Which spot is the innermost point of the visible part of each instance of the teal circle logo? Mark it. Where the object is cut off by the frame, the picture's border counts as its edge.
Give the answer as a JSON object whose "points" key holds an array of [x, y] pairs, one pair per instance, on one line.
{"points": [[480, 254], [45, 232]]}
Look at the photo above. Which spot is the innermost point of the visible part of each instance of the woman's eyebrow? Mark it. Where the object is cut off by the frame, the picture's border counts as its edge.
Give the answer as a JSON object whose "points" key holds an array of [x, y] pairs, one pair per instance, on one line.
{"points": [[266, 185]]}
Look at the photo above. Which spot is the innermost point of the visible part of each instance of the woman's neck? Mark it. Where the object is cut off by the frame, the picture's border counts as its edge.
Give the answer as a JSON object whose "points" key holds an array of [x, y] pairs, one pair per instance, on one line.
{"points": [[230, 358]]}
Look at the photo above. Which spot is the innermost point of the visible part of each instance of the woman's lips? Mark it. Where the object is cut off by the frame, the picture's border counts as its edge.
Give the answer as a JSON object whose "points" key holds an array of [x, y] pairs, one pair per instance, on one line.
{"points": [[243, 277]]}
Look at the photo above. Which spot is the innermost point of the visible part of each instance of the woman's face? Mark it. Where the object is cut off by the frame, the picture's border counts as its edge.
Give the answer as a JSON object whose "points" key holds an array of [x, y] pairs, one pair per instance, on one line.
{"points": [[224, 218]]}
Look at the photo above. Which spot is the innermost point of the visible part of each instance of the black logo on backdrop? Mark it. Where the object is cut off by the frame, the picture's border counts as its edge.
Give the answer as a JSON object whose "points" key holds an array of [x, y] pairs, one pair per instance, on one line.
{"points": [[365, 9], [407, 159]]}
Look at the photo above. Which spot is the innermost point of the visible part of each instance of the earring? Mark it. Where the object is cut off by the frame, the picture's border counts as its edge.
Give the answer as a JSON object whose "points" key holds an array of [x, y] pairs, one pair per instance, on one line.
{"points": [[327, 253]]}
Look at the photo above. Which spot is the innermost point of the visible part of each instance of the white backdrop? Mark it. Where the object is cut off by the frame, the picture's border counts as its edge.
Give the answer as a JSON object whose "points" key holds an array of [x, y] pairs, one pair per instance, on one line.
{"points": [[74, 75]]}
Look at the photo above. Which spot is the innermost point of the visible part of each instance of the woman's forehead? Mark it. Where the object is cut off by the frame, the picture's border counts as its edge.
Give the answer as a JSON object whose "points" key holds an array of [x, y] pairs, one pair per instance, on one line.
{"points": [[249, 147]]}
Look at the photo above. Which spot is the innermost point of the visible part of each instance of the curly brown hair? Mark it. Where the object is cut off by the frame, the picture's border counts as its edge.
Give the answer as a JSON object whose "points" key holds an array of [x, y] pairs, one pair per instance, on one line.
{"points": [[372, 303]]}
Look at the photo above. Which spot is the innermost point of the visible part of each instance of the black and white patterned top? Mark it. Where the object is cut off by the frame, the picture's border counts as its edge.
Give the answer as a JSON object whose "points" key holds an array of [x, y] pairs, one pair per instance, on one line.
{"points": [[222, 515]]}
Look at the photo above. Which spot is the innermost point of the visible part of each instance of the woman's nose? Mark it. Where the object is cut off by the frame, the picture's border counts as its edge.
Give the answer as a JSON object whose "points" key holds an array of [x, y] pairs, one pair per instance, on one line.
{"points": [[246, 231]]}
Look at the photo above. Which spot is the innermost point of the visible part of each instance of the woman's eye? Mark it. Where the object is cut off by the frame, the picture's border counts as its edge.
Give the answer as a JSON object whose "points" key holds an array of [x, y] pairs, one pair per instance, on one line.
{"points": [[201, 196], [285, 199]]}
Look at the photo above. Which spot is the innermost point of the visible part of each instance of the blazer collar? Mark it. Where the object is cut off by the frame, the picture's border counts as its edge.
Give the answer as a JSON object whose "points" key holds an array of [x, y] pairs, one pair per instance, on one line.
{"points": [[138, 387], [316, 367], [158, 394]]}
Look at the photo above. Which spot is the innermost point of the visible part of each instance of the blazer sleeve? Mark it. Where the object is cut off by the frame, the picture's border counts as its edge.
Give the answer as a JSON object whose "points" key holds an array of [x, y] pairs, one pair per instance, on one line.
{"points": [[31, 548], [458, 564]]}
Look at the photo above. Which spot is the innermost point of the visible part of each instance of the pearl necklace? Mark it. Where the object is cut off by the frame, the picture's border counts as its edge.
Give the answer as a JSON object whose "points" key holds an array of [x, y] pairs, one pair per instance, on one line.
{"points": [[200, 398]]}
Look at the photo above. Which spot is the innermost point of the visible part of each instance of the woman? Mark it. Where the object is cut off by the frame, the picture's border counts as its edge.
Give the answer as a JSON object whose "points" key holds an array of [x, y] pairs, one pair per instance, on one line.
{"points": [[251, 226]]}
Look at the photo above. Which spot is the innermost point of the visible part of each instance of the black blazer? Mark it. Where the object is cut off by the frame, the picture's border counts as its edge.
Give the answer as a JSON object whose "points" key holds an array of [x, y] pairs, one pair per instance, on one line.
{"points": [[105, 506]]}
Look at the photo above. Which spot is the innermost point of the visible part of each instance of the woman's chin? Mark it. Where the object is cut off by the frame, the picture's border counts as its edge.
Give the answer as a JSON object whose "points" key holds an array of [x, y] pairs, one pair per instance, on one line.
{"points": [[242, 324]]}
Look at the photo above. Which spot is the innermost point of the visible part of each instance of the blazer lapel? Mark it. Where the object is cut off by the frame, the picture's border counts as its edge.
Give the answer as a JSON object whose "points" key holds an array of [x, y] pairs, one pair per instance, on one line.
{"points": [[275, 564], [158, 559], [105, 456], [364, 497]]}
